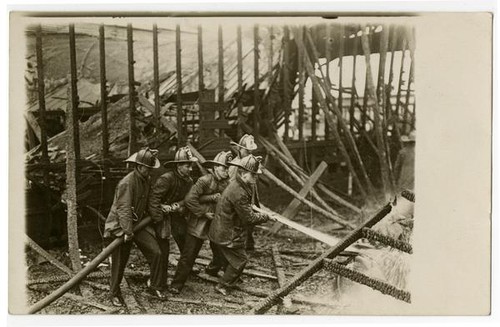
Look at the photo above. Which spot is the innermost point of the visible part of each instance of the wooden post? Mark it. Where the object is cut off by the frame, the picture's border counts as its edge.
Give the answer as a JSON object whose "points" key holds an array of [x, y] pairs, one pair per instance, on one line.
{"points": [[41, 96], [240, 81], [353, 85], [72, 155], [178, 72], [286, 80], [407, 123], [201, 85], [317, 89], [397, 114], [131, 90], [388, 104], [301, 88], [221, 74], [256, 95], [288, 189], [104, 93], [314, 113], [271, 56], [156, 77], [293, 208], [378, 126], [341, 61]]}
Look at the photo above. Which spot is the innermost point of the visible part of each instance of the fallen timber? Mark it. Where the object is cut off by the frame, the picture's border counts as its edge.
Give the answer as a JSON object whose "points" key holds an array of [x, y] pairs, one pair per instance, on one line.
{"points": [[84, 272], [318, 263], [325, 238], [302, 199]]}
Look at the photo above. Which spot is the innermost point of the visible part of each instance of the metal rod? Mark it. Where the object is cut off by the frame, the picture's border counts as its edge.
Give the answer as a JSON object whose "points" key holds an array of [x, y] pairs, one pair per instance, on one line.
{"points": [[104, 93], [317, 264], [256, 95], [156, 77], [178, 72], [131, 90]]}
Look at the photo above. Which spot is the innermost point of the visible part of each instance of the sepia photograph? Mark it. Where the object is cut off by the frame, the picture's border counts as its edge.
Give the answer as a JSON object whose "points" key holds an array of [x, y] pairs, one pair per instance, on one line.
{"points": [[224, 165]]}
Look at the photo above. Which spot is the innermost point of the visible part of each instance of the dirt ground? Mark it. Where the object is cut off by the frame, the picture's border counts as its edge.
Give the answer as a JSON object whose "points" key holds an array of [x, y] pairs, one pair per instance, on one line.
{"points": [[320, 294]]}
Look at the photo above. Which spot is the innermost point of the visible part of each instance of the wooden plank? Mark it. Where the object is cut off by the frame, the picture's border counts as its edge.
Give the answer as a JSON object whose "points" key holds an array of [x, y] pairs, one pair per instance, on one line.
{"points": [[178, 73], [87, 301], [129, 298], [204, 303], [131, 91], [293, 208], [104, 93], [214, 124]]}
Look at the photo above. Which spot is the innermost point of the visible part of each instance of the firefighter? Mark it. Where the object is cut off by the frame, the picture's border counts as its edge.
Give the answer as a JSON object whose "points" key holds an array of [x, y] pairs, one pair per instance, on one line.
{"points": [[245, 147], [200, 203], [130, 205], [166, 202], [233, 216]]}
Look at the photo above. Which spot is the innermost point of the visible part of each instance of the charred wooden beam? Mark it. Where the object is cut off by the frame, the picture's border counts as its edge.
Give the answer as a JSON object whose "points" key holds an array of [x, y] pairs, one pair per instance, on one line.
{"points": [[72, 156], [286, 80], [256, 95], [41, 95], [352, 117], [293, 208], [280, 272], [83, 272], [336, 218], [240, 80], [341, 62], [302, 81], [156, 78], [178, 73], [397, 113], [131, 90], [384, 169], [326, 109], [406, 119], [318, 263], [201, 84], [104, 93]]}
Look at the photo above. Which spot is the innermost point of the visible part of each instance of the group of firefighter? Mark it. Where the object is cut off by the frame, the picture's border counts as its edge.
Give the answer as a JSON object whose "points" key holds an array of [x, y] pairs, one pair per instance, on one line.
{"points": [[217, 207]]}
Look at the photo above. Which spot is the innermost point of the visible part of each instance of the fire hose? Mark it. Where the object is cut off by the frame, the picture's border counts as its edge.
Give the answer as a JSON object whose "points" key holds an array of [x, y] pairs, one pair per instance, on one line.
{"points": [[106, 252]]}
